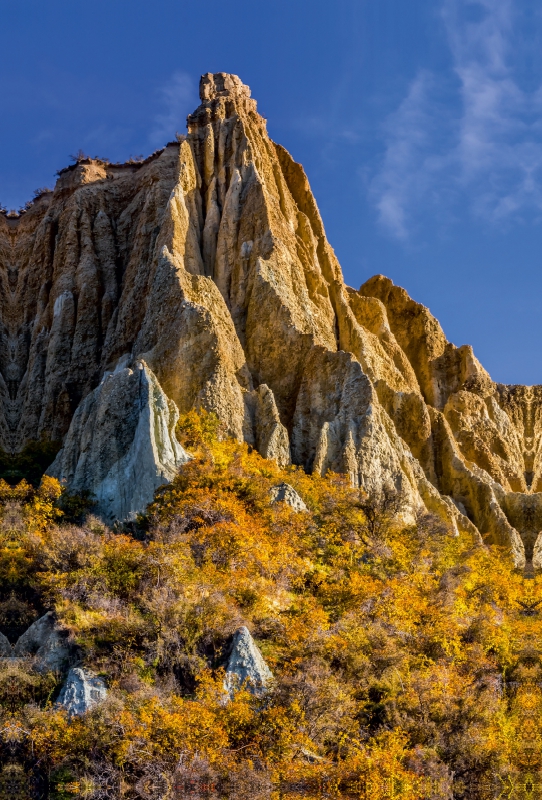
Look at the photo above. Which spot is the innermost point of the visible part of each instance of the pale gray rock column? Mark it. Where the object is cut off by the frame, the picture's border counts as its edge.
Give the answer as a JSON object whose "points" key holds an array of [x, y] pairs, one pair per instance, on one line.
{"points": [[121, 444], [82, 691], [246, 666]]}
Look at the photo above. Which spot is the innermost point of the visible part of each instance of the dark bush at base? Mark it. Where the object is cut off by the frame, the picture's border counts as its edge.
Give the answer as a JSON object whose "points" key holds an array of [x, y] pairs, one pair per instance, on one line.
{"points": [[30, 464]]}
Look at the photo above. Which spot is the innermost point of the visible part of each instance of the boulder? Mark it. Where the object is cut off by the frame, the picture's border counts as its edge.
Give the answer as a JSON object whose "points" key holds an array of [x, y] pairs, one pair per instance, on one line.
{"points": [[47, 643], [121, 444], [246, 666], [284, 493], [82, 690]]}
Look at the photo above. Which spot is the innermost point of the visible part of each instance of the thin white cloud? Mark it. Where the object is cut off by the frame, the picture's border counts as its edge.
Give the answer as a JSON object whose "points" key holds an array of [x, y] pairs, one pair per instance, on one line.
{"points": [[409, 164], [178, 98], [486, 154]]}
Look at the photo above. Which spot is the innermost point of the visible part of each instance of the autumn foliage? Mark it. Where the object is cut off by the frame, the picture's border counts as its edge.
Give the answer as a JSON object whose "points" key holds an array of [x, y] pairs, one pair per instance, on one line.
{"points": [[404, 657]]}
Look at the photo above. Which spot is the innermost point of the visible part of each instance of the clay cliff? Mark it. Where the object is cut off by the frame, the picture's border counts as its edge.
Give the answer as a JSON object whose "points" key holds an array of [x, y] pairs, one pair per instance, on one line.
{"points": [[206, 269]]}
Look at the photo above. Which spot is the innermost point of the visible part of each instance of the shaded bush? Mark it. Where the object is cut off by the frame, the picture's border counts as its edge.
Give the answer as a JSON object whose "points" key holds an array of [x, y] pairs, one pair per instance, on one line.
{"points": [[30, 464]]}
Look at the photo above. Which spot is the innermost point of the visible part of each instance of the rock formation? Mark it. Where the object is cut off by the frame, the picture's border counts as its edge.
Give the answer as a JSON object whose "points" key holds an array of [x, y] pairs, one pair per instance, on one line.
{"points": [[47, 643], [82, 690], [121, 443], [284, 493], [246, 666], [208, 263]]}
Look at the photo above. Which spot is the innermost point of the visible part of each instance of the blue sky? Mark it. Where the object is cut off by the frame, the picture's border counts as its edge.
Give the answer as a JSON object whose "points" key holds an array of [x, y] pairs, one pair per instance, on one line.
{"points": [[419, 124]]}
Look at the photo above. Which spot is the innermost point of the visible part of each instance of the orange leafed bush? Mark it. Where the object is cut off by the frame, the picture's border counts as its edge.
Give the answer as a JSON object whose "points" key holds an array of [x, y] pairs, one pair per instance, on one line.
{"points": [[396, 651]]}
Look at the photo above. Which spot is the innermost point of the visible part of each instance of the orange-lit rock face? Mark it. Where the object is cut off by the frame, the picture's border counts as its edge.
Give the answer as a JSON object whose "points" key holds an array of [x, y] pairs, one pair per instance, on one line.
{"points": [[209, 262]]}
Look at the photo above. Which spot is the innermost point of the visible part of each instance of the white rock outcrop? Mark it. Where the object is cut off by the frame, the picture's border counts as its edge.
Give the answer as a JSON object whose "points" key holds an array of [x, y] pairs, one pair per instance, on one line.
{"points": [[121, 444], [284, 493], [82, 690], [246, 666]]}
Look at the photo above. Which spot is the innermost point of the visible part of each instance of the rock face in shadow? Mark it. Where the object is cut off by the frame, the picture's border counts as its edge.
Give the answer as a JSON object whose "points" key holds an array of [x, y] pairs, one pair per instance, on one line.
{"points": [[121, 444], [246, 666], [82, 690], [5, 647], [209, 263]]}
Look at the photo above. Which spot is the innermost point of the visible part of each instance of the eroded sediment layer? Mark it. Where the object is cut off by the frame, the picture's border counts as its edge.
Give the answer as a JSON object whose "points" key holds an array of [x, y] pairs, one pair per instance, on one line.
{"points": [[209, 262]]}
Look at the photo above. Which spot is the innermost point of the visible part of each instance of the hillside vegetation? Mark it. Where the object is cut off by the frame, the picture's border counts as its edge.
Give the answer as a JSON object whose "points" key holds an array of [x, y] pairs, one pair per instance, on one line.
{"points": [[403, 656]]}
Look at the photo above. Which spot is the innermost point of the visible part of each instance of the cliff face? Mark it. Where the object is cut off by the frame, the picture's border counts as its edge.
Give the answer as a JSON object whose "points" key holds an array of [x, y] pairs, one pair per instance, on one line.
{"points": [[209, 263]]}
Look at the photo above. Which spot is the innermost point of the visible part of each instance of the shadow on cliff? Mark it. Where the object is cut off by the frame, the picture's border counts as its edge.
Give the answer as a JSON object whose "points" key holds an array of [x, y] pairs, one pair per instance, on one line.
{"points": [[29, 464]]}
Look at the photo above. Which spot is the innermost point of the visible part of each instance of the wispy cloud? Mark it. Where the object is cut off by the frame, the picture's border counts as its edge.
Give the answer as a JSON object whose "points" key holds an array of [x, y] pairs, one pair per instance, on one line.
{"points": [[410, 163], [482, 148], [178, 98]]}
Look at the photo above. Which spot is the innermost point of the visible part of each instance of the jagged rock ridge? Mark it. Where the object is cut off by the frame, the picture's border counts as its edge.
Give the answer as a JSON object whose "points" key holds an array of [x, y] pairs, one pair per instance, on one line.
{"points": [[209, 263]]}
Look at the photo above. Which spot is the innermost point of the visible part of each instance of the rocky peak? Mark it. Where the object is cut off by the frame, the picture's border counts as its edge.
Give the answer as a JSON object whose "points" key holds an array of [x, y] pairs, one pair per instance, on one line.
{"points": [[221, 84], [222, 96]]}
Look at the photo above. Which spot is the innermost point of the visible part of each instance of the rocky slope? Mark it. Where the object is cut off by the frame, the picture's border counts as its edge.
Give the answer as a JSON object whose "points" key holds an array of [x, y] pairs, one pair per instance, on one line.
{"points": [[208, 263]]}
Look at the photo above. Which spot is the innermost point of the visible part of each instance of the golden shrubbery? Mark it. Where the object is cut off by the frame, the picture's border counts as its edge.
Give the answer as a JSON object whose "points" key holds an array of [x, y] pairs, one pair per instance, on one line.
{"points": [[392, 646]]}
